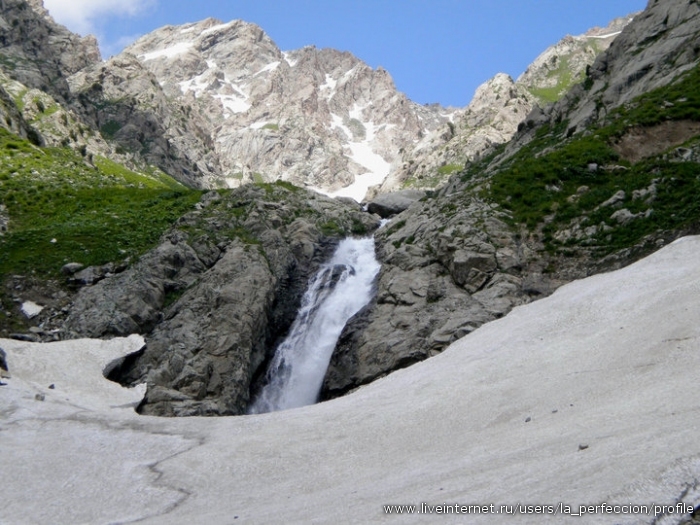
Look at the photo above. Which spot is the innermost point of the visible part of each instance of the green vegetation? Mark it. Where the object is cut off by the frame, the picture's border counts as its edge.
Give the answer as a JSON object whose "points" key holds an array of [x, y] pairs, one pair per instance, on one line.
{"points": [[449, 169], [395, 227], [554, 181], [62, 209], [358, 228], [269, 187], [678, 101], [564, 81], [272, 126], [331, 228], [110, 129]]}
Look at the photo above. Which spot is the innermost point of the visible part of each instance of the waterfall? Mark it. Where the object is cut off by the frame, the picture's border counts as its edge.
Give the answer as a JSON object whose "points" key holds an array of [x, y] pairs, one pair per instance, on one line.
{"points": [[337, 292]]}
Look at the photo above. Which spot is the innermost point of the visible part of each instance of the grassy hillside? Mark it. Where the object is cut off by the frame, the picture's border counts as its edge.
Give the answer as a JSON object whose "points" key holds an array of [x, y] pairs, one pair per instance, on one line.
{"points": [[63, 209], [562, 187]]}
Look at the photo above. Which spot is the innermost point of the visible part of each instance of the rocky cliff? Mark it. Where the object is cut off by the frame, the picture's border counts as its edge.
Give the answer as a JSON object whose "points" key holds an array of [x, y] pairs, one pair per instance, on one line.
{"points": [[40, 53], [656, 49], [565, 64], [223, 285]]}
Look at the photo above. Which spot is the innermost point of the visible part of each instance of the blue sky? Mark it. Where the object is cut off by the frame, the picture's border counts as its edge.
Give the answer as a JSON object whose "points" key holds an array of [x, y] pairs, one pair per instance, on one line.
{"points": [[436, 50]]}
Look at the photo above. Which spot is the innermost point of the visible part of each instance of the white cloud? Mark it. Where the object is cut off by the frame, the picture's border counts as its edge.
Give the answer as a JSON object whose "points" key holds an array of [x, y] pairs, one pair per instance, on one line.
{"points": [[83, 16]]}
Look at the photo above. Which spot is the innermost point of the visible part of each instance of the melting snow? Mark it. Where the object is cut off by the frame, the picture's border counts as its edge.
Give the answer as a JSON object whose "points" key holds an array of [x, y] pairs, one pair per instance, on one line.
{"points": [[361, 152], [235, 104], [219, 27], [580, 398], [288, 58], [606, 36], [448, 116], [330, 83], [270, 67], [169, 52], [356, 112]]}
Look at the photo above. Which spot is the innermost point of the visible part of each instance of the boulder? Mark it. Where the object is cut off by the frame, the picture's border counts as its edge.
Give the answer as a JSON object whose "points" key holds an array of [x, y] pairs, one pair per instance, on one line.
{"points": [[71, 268], [389, 204]]}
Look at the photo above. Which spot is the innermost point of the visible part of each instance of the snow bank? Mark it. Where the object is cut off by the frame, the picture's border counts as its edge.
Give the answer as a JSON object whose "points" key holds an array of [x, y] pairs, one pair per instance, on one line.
{"points": [[584, 398]]}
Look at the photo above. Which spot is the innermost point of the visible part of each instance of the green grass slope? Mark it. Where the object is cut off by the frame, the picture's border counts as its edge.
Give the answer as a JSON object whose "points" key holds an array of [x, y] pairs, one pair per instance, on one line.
{"points": [[62, 210], [555, 184]]}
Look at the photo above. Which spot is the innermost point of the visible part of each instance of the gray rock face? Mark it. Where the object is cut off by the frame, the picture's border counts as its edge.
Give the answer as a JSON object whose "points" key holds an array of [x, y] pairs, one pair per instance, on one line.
{"points": [[388, 204], [215, 295], [449, 264], [491, 118], [203, 355], [564, 64], [452, 263], [126, 103], [40, 53], [267, 114]]}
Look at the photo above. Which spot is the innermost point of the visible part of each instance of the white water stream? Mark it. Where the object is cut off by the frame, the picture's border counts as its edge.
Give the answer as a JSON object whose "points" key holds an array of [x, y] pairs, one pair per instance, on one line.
{"points": [[338, 291]]}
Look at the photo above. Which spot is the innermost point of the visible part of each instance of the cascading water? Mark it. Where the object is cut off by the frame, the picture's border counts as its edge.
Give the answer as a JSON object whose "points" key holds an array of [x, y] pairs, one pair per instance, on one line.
{"points": [[338, 291]]}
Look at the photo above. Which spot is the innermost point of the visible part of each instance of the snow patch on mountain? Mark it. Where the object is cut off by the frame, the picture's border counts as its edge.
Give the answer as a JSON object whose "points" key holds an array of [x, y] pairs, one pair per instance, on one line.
{"points": [[241, 82], [270, 67], [288, 58], [361, 152], [217, 28]]}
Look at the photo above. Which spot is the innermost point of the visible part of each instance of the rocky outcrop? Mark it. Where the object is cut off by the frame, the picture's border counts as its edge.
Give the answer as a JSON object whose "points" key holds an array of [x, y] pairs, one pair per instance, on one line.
{"points": [[122, 99], [40, 53], [454, 262], [657, 47], [449, 265], [216, 294], [38, 56], [491, 118], [389, 204], [565, 64]]}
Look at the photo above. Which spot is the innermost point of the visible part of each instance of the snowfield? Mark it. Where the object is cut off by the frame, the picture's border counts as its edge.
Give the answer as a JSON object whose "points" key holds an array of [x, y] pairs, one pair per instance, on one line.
{"points": [[587, 397]]}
